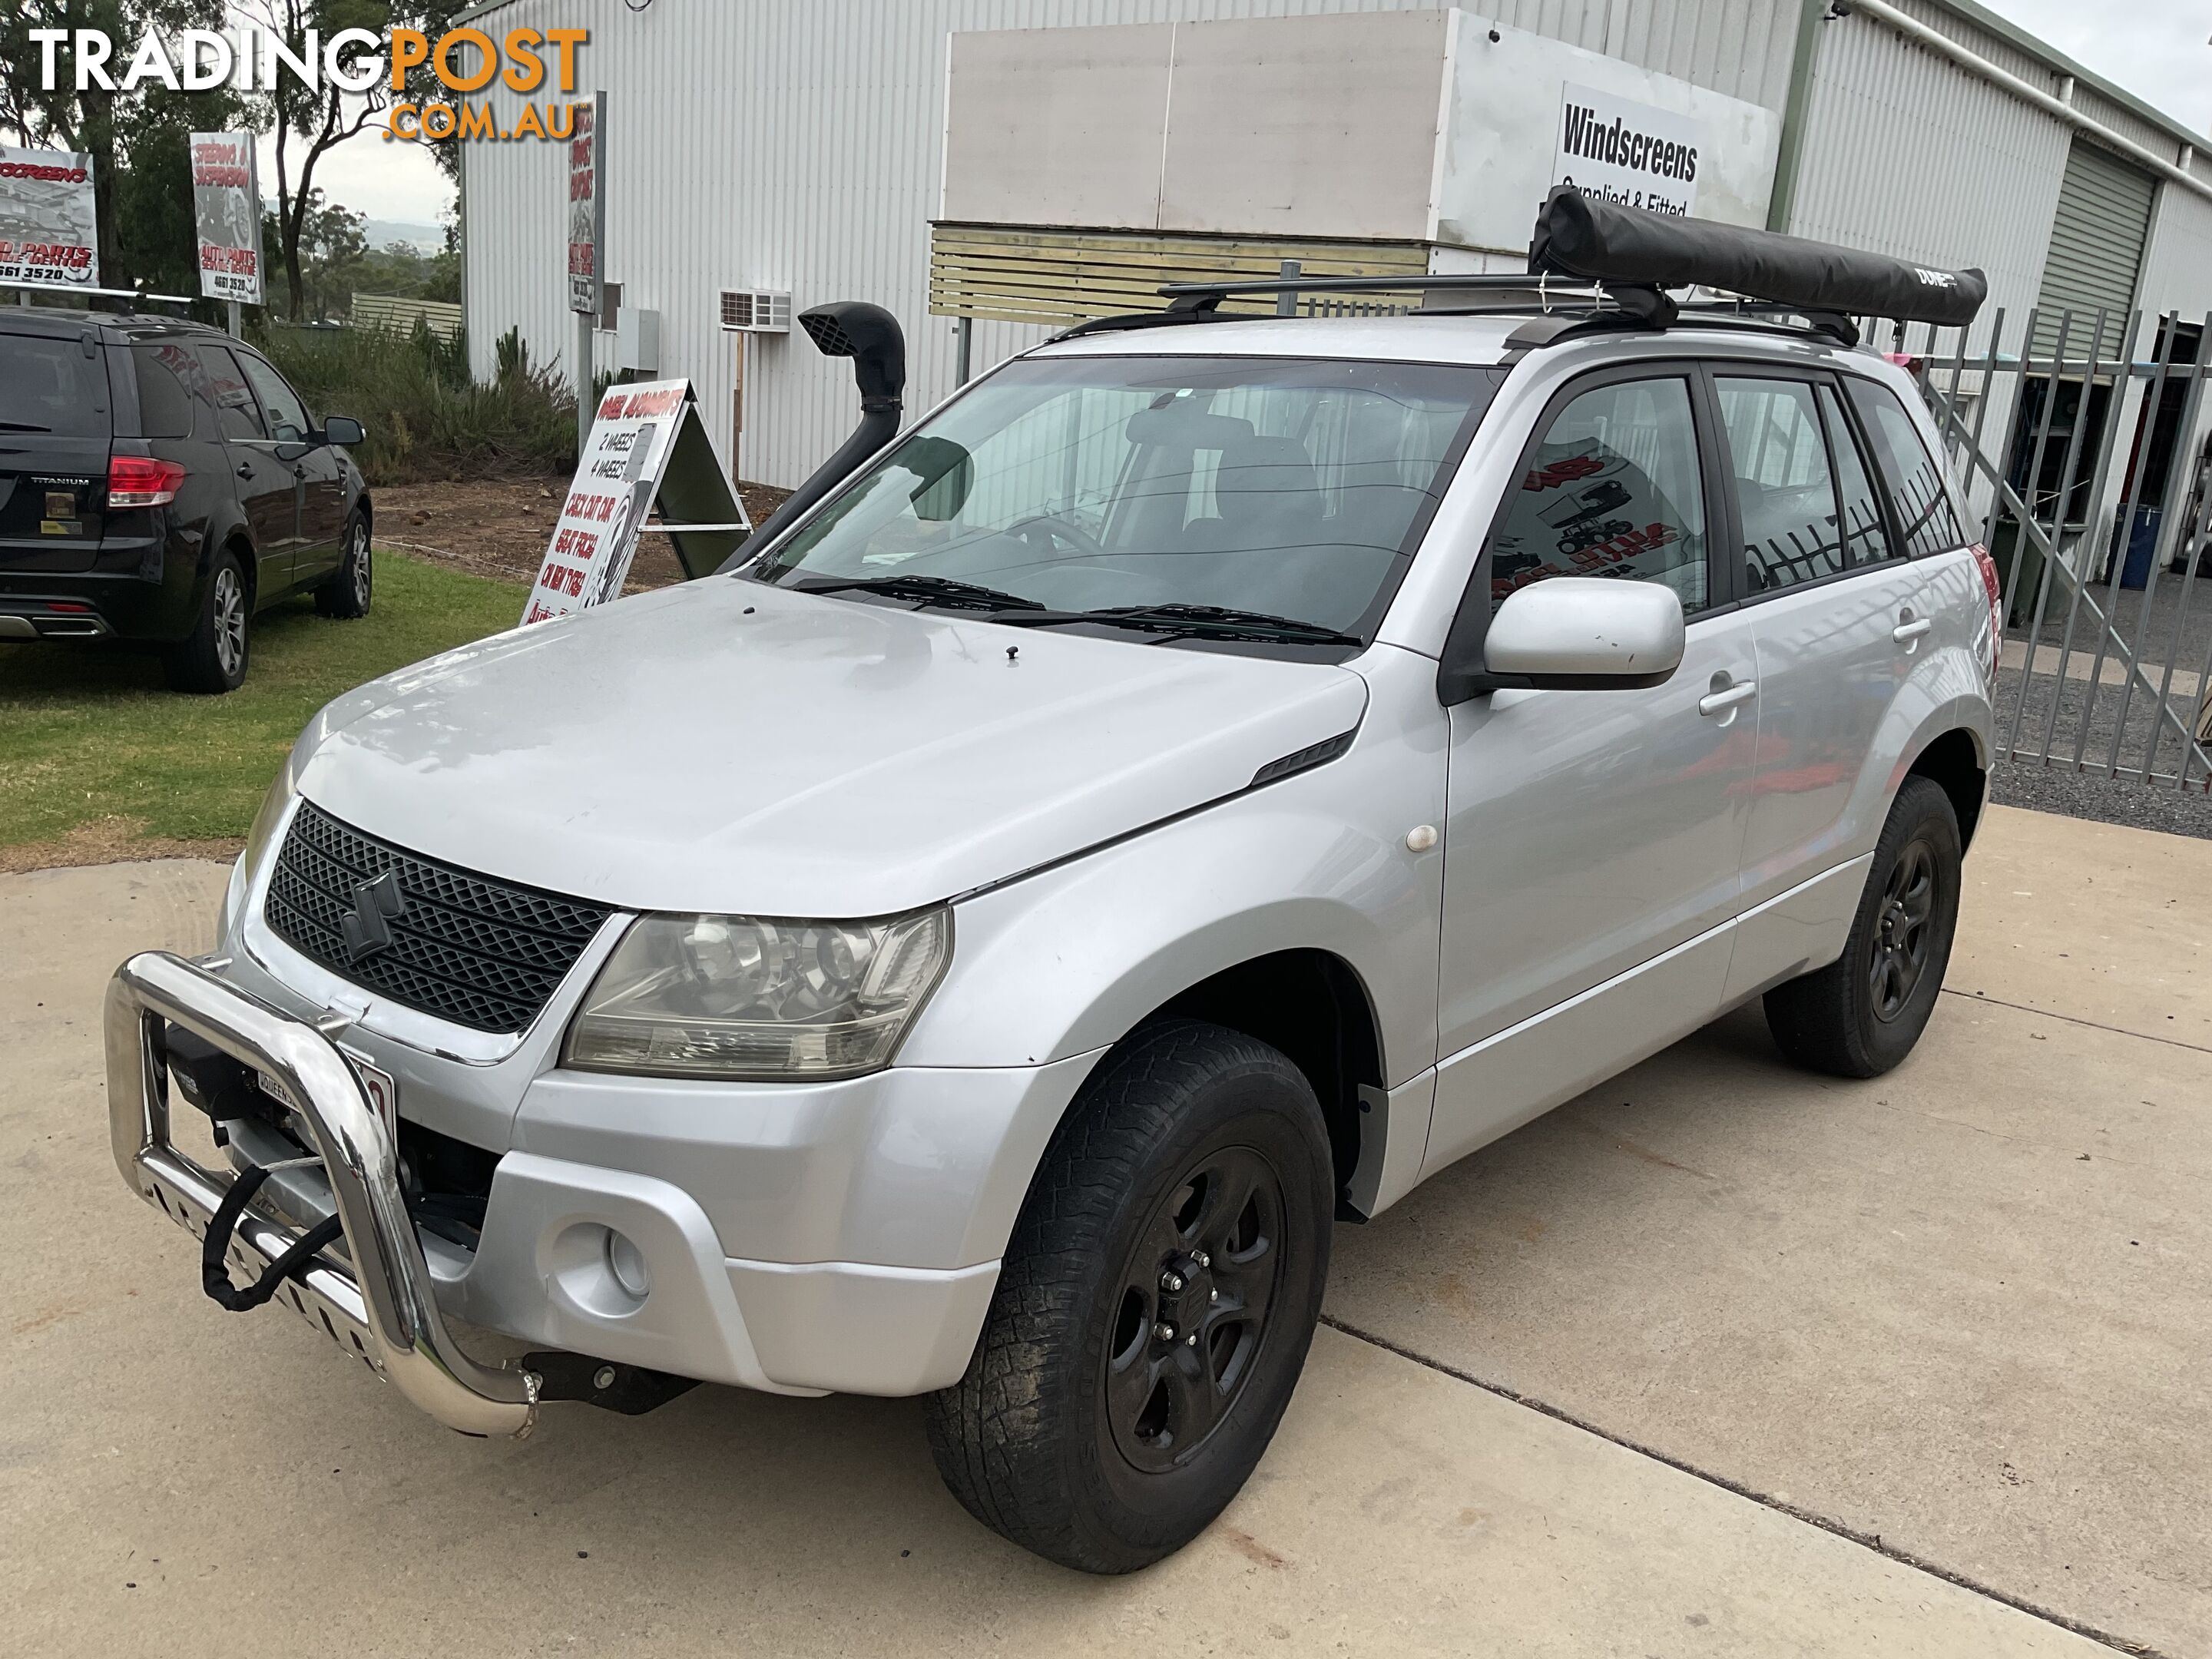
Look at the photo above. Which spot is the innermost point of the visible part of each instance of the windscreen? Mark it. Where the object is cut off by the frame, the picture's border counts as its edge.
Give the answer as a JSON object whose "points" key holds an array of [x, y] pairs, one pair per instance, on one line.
{"points": [[1286, 488], [51, 385]]}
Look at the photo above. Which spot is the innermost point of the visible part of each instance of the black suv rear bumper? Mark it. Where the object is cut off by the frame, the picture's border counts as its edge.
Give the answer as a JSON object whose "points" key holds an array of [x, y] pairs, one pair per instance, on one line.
{"points": [[132, 592]]}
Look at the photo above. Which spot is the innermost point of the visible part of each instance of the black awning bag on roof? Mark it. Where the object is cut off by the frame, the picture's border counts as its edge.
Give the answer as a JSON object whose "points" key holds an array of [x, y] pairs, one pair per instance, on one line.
{"points": [[1602, 241]]}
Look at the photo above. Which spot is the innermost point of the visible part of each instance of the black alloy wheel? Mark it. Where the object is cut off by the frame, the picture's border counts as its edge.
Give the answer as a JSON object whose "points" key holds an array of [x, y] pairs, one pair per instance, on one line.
{"points": [[1154, 1305], [1192, 1316], [1862, 1013], [1903, 935]]}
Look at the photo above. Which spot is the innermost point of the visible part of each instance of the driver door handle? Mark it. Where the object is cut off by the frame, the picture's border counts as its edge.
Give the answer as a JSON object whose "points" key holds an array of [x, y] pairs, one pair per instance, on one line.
{"points": [[245, 469], [1720, 701]]}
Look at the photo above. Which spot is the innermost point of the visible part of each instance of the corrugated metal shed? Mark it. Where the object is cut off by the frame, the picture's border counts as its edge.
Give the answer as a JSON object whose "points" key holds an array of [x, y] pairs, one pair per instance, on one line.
{"points": [[2178, 269], [1984, 168], [796, 146], [781, 145]]}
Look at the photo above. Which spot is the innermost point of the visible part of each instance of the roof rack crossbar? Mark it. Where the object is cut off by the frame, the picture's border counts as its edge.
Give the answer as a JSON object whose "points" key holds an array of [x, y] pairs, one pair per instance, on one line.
{"points": [[1547, 288]]}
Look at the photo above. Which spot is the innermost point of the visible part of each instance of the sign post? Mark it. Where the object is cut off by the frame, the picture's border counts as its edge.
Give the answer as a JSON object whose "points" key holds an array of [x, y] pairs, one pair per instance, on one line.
{"points": [[648, 447], [49, 227], [227, 207], [587, 235]]}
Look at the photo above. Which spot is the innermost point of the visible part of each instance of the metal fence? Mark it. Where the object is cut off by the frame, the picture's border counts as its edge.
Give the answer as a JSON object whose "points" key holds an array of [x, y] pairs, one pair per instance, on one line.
{"points": [[2079, 438]]}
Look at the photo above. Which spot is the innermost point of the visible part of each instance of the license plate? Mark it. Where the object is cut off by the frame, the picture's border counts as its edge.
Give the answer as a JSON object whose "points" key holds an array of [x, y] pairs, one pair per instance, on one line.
{"points": [[379, 1084]]}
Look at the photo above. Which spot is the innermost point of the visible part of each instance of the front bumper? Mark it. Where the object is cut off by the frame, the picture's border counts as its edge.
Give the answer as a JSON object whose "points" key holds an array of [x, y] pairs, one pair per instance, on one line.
{"points": [[835, 1237], [378, 1303]]}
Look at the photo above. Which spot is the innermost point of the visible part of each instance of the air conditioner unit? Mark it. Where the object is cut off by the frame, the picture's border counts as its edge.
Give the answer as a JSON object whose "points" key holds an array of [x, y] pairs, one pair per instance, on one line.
{"points": [[755, 311]]}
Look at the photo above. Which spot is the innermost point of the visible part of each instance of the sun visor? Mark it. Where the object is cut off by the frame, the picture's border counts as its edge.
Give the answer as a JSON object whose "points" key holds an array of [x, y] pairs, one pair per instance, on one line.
{"points": [[1601, 241]]}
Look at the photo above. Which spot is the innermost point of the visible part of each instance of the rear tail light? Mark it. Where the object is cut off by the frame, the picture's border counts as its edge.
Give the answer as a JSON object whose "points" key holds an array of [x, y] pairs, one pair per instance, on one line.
{"points": [[141, 481], [1995, 588]]}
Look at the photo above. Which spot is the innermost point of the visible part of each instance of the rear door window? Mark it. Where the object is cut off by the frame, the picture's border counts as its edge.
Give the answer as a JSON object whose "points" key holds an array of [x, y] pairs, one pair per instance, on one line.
{"points": [[236, 413], [1866, 536], [165, 372], [1612, 489], [49, 386], [1915, 480], [1785, 490]]}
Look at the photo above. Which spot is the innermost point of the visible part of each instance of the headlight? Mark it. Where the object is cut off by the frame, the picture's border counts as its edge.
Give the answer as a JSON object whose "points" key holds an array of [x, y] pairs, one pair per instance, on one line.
{"points": [[740, 997]]}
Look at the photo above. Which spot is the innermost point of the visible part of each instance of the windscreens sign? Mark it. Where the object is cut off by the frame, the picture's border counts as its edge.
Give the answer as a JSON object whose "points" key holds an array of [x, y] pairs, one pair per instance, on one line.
{"points": [[1626, 152], [227, 203], [48, 233]]}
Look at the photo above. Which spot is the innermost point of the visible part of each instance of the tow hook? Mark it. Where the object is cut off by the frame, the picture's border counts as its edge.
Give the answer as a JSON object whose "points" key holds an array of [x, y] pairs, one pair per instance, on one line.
{"points": [[633, 1390]]}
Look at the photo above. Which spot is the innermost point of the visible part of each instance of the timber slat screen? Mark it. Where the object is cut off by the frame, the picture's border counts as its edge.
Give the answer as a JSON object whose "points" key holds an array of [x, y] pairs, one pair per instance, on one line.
{"points": [[997, 273]]}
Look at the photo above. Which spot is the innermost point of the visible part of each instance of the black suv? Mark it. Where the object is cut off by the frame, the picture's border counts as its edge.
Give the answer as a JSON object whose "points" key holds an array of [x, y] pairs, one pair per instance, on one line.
{"points": [[159, 482]]}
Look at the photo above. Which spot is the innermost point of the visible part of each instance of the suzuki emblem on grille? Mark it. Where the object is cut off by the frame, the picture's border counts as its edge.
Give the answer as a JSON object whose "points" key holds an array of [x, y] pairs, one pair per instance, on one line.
{"points": [[376, 905]]}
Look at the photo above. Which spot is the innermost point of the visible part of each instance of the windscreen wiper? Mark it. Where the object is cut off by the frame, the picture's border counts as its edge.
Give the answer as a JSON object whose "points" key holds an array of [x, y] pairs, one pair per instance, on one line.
{"points": [[1191, 622], [930, 590]]}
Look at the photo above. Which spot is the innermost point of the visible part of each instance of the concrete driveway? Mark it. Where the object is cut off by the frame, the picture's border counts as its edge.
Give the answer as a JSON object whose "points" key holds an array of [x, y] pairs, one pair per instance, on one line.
{"points": [[1717, 1359]]}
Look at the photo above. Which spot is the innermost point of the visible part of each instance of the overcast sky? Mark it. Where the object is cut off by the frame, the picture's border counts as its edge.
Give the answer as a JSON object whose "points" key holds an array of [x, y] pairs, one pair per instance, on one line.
{"points": [[2155, 48]]}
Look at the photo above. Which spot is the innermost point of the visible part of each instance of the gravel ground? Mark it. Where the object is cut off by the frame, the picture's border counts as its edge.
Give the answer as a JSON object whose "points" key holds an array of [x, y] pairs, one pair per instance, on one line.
{"points": [[500, 526], [2126, 611]]}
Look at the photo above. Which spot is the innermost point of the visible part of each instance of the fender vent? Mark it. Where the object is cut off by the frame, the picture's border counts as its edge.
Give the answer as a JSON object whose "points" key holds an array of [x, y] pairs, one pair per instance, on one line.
{"points": [[1304, 760]]}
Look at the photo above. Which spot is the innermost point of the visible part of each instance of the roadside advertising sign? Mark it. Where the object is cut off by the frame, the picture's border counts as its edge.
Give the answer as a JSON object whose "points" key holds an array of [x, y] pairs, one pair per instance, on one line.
{"points": [[1627, 152], [616, 478], [48, 227], [587, 206], [227, 204]]}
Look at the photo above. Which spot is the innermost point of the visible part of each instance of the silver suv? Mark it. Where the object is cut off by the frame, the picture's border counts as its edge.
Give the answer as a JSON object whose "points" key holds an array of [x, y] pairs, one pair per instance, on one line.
{"points": [[1201, 782]]}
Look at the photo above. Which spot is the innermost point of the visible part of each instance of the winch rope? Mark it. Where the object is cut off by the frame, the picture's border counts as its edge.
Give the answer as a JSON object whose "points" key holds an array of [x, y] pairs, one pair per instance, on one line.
{"points": [[215, 1272]]}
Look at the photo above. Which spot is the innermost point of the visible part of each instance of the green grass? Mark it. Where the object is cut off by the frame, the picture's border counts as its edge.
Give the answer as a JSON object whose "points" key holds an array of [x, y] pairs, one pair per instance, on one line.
{"points": [[90, 737]]}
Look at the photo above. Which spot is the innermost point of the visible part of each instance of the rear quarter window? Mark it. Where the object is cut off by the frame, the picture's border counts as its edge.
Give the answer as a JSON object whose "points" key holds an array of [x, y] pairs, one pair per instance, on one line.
{"points": [[49, 385], [166, 372], [1914, 479]]}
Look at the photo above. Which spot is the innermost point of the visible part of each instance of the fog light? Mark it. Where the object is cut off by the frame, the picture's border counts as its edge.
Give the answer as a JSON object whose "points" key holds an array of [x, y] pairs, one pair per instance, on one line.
{"points": [[627, 1263]]}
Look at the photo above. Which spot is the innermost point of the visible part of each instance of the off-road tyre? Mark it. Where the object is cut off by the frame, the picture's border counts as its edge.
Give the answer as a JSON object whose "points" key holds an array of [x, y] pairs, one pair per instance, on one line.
{"points": [[1859, 1016], [214, 657], [1028, 1440], [346, 595]]}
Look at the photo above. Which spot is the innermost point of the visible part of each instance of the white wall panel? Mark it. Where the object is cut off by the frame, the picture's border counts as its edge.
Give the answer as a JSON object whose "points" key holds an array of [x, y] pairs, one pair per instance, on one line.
{"points": [[797, 143], [2177, 266]]}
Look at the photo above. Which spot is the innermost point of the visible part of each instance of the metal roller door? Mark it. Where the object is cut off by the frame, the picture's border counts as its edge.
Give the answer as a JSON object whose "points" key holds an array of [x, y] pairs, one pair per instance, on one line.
{"points": [[2097, 241]]}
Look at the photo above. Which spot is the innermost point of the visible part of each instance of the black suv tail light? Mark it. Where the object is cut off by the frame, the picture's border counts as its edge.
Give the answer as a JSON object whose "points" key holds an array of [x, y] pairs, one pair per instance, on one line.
{"points": [[141, 481]]}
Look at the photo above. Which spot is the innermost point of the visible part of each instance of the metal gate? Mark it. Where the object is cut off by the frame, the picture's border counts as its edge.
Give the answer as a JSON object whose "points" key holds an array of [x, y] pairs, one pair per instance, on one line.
{"points": [[2079, 439]]}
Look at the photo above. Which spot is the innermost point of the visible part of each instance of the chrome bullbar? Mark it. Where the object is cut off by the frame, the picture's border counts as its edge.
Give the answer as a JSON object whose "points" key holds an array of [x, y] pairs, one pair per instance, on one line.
{"points": [[384, 1312]]}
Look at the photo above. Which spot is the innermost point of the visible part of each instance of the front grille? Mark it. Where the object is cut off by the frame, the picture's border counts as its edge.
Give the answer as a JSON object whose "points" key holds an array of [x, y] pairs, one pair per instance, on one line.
{"points": [[472, 949]]}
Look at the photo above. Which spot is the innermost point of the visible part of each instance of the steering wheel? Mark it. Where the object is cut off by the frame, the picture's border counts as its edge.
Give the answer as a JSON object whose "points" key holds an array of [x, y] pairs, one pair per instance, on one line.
{"points": [[1040, 529]]}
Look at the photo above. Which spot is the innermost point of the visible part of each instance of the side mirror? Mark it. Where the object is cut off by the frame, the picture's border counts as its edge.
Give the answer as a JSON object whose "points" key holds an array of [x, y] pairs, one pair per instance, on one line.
{"points": [[342, 431], [1582, 634]]}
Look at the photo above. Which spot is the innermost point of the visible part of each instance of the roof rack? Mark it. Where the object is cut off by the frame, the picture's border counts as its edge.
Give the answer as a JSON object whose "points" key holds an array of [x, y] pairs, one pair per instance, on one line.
{"points": [[1596, 265], [132, 294], [1583, 304]]}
